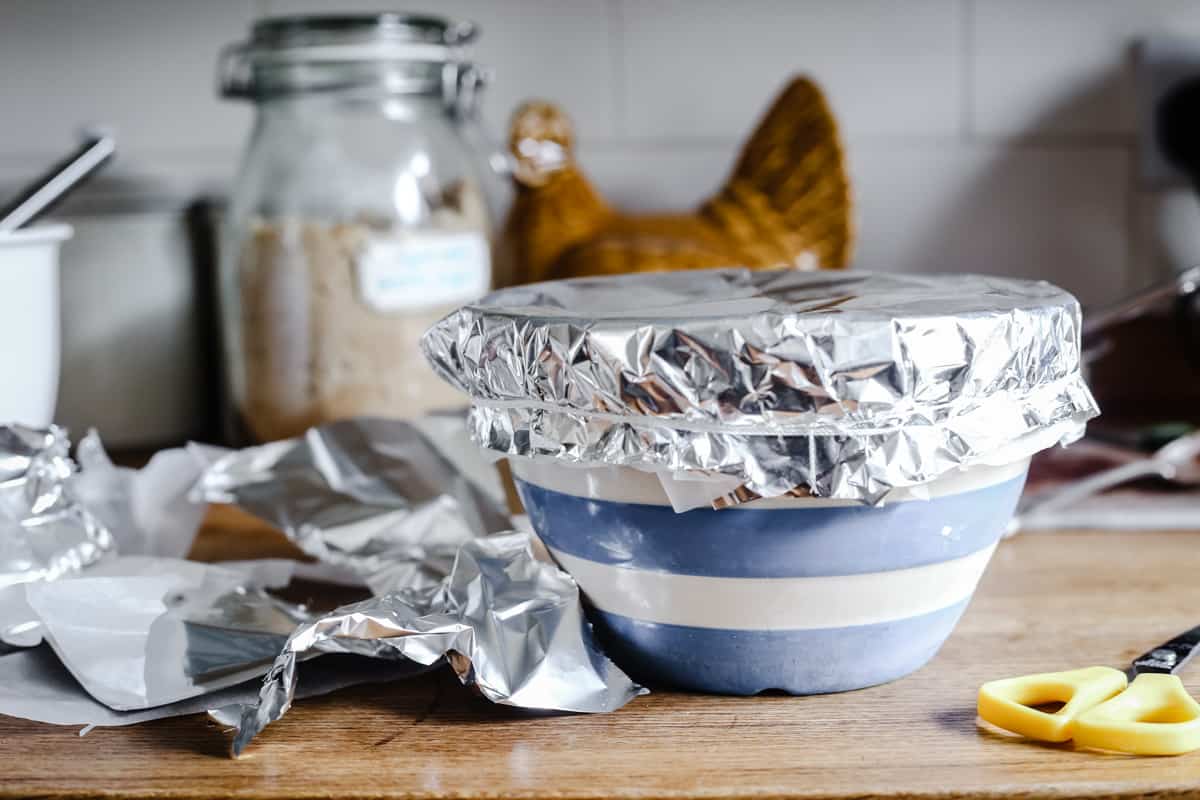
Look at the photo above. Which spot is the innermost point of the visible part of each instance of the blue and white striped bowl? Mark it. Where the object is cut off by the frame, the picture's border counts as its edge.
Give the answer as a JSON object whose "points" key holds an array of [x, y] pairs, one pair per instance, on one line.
{"points": [[803, 595]]}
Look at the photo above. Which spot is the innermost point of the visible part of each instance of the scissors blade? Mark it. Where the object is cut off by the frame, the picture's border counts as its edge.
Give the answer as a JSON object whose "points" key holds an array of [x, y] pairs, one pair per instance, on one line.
{"points": [[1169, 656]]}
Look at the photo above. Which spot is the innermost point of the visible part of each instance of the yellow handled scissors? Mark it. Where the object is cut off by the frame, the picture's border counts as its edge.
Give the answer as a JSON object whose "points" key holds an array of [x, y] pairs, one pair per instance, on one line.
{"points": [[1101, 708]]}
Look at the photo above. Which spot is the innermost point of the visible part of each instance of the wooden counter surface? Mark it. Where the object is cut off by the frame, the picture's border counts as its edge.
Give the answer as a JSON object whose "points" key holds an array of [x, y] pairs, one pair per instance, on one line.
{"points": [[1049, 601]]}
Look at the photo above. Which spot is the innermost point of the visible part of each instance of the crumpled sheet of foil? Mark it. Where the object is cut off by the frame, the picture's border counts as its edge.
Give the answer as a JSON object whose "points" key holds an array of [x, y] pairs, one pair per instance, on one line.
{"points": [[45, 533], [841, 385], [375, 496], [508, 624], [60, 519]]}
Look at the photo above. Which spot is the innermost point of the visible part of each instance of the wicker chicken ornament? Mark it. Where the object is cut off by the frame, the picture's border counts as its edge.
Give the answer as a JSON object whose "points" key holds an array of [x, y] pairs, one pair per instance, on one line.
{"points": [[787, 202]]}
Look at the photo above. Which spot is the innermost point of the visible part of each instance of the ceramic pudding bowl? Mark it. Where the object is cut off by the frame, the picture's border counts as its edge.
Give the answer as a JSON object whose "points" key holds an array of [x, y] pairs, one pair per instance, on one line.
{"points": [[747, 388], [803, 595]]}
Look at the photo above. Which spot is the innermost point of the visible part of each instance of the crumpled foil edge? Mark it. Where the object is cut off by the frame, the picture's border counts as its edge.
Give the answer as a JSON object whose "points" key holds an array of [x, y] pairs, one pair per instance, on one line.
{"points": [[51, 508], [841, 386], [862, 465], [510, 625]]}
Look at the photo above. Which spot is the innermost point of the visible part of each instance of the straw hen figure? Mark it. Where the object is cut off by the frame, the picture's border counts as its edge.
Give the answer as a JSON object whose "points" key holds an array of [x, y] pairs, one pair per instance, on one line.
{"points": [[786, 203]]}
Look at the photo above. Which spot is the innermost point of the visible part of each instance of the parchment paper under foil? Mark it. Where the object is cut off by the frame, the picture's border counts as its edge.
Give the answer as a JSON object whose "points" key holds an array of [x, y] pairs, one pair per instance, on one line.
{"points": [[508, 624], [35, 685], [147, 510], [837, 385], [45, 532], [139, 632], [373, 495]]}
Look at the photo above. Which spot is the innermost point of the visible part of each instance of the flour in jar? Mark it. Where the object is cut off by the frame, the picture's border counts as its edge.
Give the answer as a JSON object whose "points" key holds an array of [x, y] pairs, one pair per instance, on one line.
{"points": [[332, 316]]}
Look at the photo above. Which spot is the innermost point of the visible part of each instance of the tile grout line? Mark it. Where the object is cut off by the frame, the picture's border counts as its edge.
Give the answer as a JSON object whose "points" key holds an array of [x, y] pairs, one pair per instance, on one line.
{"points": [[966, 69], [203, 157], [617, 63], [898, 141]]}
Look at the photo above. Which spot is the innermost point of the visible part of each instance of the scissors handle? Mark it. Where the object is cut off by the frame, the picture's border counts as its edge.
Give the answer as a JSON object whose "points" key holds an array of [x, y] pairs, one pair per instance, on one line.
{"points": [[1155, 716], [1009, 703]]}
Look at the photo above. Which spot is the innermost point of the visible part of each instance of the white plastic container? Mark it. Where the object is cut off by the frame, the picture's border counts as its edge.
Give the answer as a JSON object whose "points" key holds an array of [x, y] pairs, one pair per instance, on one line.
{"points": [[29, 323]]}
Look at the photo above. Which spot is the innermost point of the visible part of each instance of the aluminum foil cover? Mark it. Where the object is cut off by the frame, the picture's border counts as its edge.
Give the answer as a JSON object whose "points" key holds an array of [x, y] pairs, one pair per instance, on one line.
{"points": [[45, 533], [508, 624], [374, 496], [840, 385]]}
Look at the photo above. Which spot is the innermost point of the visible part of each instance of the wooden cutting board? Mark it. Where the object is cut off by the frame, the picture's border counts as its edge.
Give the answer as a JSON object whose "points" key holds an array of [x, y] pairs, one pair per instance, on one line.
{"points": [[1049, 601]]}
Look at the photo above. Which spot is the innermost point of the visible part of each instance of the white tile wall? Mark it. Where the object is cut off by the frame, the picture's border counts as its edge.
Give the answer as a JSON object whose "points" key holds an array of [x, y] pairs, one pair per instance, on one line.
{"points": [[1063, 66], [708, 68], [1028, 212], [560, 51], [131, 366], [991, 135], [145, 67], [654, 177]]}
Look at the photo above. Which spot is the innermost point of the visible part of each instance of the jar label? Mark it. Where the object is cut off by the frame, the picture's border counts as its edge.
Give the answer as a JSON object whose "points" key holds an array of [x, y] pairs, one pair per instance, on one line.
{"points": [[416, 270]]}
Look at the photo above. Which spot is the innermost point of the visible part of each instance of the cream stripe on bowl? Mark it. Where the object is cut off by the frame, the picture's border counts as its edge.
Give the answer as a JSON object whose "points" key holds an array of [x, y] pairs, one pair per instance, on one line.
{"points": [[758, 604], [628, 485]]}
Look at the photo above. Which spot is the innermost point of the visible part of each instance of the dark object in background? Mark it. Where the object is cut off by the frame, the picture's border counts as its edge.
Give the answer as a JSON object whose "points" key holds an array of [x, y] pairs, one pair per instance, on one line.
{"points": [[1098, 322], [1143, 358], [1178, 130], [1148, 376], [1172, 310], [138, 334], [1177, 126], [1148, 372], [202, 219], [1145, 352]]}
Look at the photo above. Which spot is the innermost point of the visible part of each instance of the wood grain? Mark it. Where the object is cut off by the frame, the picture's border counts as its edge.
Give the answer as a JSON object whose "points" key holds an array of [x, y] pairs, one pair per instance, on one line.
{"points": [[1049, 601]]}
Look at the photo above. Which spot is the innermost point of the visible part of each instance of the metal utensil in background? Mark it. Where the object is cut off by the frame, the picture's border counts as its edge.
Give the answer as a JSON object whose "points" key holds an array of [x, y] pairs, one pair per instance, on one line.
{"points": [[51, 186], [1096, 323], [1178, 461]]}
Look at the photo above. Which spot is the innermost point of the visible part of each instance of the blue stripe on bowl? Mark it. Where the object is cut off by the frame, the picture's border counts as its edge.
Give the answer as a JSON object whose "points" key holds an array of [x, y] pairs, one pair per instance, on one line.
{"points": [[776, 542], [814, 661]]}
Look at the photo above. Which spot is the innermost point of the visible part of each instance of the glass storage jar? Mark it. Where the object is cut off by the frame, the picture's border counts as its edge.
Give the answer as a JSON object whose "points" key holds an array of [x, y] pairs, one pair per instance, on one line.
{"points": [[358, 218]]}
